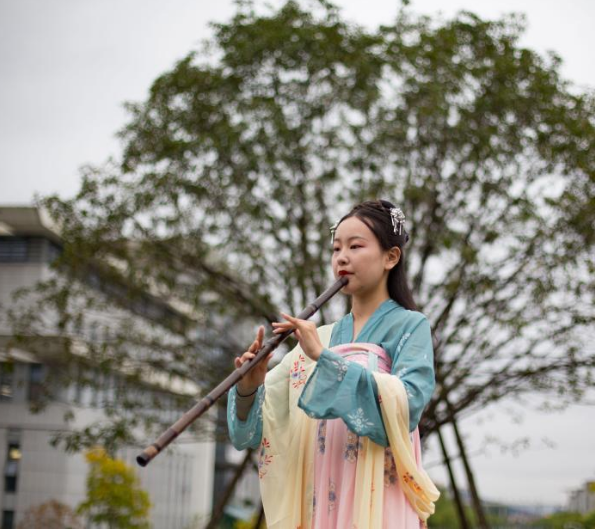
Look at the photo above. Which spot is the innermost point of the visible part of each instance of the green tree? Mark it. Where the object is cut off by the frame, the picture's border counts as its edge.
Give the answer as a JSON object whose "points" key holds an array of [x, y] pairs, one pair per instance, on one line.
{"points": [[245, 153], [114, 495], [445, 516]]}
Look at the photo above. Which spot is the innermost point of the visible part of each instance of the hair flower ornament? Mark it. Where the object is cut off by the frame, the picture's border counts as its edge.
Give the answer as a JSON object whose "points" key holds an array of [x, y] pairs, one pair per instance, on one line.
{"points": [[333, 229], [398, 219]]}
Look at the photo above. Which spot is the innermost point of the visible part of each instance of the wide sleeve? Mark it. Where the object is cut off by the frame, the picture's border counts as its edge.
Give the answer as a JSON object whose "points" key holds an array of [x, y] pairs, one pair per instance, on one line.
{"points": [[414, 365], [347, 390], [248, 433]]}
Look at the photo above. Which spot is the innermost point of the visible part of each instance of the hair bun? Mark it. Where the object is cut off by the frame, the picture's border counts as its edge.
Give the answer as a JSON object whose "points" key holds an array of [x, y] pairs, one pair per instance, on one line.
{"points": [[387, 204]]}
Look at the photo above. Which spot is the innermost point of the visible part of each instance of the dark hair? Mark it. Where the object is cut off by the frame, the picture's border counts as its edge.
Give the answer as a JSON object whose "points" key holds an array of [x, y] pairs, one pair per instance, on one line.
{"points": [[376, 215]]}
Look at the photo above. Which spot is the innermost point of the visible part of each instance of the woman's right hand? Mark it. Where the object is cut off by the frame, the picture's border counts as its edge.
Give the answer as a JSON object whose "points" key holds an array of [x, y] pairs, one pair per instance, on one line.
{"points": [[254, 377]]}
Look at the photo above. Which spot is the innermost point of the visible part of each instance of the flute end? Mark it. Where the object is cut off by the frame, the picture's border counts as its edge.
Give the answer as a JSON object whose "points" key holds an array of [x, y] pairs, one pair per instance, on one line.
{"points": [[143, 459]]}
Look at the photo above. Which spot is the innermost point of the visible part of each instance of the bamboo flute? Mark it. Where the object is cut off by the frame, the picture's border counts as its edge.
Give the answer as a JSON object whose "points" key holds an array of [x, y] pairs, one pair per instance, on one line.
{"points": [[144, 458]]}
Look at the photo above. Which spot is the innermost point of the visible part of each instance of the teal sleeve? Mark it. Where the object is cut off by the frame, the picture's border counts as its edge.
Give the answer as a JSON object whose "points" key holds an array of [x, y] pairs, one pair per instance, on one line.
{"points": [[248, 433], [414, 365], [346, 390]]}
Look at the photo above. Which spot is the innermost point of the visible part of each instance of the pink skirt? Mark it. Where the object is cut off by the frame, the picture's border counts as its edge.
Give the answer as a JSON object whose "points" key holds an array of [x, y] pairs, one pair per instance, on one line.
{"points": [[336, 464]]}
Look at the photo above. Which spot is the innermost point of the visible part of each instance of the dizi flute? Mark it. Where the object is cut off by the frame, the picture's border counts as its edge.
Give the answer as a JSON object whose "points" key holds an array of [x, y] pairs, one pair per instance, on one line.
{"points": [[144, 458]]}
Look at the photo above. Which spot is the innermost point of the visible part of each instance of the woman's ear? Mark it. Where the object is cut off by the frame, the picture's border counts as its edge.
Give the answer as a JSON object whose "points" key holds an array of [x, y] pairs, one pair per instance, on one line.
{"points": [[393, 256]]}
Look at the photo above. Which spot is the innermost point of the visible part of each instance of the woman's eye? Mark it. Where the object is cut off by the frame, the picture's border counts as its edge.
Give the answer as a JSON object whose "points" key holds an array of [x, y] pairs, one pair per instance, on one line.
{"points": [[355, 246]]}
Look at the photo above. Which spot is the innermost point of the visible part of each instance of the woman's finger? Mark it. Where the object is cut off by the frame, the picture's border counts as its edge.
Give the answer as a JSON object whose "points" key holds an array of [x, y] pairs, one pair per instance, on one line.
{"points": [[283, 329], [283, 324], [246, 356]]}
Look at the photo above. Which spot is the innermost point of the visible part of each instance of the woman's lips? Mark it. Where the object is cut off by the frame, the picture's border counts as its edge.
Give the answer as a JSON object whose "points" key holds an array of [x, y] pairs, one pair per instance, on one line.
{"points": [[343, 273]]}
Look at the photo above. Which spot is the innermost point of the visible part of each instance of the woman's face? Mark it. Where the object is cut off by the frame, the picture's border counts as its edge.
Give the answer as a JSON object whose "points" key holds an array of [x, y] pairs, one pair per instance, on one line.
{"points": [[357, 252]]}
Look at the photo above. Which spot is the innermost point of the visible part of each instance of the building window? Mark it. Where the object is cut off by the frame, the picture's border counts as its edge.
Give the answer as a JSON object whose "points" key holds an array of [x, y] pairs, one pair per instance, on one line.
{"points": [[7, 519], [36, 375], [6, 381], [13, 250], [11, 468], [28, 250]]}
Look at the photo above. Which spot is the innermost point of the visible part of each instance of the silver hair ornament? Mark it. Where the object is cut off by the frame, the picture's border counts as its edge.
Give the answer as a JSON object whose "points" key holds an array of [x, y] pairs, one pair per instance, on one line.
{"points": [[333, 230], [398, 219]]}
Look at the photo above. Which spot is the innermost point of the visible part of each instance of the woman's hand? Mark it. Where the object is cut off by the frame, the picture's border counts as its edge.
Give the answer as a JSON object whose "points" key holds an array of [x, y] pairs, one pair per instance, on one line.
{"points": [[254, 377], [305, 332]]}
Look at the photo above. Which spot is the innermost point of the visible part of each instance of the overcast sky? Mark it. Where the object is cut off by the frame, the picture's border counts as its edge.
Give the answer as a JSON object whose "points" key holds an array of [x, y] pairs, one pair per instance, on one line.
{"points": [[66, 67]]}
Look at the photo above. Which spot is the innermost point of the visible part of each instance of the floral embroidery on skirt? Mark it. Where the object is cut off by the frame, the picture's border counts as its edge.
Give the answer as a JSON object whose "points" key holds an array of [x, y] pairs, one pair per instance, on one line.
{"points": [[332, 496], [321, 436], [263, 458], [390, 468], [352, 445]]}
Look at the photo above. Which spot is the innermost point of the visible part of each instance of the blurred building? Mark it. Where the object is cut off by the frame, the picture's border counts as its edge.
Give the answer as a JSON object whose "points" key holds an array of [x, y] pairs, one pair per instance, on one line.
{"points": [[180, 483], [582, 500]]}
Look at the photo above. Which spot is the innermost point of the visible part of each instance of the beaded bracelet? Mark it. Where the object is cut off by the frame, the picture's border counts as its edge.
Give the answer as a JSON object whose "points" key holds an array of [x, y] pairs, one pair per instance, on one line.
{"points": [[246, 396]]}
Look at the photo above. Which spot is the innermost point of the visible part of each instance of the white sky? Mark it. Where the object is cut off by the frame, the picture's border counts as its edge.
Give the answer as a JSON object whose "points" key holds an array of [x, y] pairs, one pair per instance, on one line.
{"points": [[66, 67]]}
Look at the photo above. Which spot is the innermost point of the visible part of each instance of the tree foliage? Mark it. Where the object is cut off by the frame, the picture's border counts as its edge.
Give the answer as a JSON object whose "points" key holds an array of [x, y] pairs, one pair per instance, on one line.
{"points": [[245, 152], [114, 495]]}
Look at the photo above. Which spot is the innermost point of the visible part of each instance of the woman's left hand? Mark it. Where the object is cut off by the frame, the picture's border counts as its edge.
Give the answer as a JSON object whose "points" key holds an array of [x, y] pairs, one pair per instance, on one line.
{"points": [[305, 332]]}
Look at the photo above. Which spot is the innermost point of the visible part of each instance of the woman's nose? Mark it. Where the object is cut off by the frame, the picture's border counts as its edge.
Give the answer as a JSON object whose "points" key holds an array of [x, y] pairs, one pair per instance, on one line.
{"points": [[341, 258]]}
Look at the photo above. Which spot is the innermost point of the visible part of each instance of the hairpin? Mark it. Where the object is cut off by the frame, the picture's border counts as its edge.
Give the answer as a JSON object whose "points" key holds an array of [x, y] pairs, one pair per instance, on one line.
{"points": [[398, 219], [333, 230]]}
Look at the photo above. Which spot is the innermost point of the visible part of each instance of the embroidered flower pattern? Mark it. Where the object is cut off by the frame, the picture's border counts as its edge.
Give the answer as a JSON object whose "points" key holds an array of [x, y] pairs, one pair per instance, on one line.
{"points": [[358, 421], [402, 341], [232, 409], [390, 468], [332, 496], [410, 480], [402, 372], [263, 458], [352, 445], [322, 437], [297, 374], [341, 367]]}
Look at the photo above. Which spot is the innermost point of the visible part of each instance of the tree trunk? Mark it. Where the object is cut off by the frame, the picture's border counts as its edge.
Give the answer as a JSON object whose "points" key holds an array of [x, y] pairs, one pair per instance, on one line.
{"points": [[453, 483], [477, 506]]}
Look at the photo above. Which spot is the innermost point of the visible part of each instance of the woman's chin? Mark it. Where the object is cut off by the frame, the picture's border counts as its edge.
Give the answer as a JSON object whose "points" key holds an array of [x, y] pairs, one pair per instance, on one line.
{"points": [[347, 289]]}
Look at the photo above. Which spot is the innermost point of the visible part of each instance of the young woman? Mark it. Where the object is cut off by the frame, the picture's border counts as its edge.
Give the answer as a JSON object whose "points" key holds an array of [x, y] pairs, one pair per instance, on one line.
{"points": [[336, 420]]}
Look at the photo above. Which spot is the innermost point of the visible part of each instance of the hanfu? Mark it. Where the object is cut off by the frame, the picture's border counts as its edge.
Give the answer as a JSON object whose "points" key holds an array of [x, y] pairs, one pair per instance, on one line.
{"points": [[337, 438]]}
